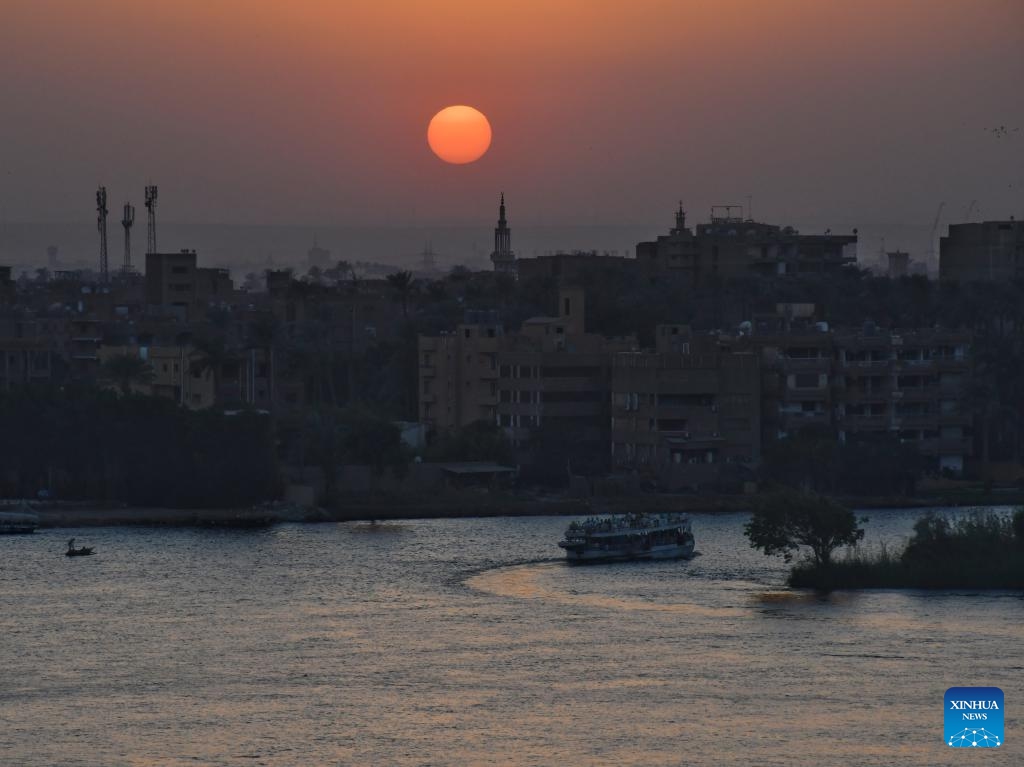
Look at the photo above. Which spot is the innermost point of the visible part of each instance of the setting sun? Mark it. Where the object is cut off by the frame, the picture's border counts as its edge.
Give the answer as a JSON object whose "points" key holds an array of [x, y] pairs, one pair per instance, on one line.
{"points": [[459, 134]]}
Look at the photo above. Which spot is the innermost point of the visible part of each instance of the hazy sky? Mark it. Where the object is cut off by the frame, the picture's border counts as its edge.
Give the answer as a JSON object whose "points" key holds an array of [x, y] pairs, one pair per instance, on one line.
{"points": [[315, 111]]}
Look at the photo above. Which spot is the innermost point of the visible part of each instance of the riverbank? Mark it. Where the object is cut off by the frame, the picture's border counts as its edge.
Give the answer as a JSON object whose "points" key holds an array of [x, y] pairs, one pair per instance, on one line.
{"points": [[463, 504]]}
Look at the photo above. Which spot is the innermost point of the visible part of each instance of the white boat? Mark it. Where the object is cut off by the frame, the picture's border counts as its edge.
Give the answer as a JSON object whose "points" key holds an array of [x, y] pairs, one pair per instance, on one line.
{"points": [[19, 520], [620, 537]]}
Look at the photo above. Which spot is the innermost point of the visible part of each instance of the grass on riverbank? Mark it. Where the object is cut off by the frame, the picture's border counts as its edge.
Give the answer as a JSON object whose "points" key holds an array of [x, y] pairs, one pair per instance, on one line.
{"points": [[981, 550]]}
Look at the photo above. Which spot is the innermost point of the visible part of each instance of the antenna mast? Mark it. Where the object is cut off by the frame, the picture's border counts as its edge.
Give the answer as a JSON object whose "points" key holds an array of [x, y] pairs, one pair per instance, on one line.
{"points": [[151, 222], [126, 221], [101, 225]]}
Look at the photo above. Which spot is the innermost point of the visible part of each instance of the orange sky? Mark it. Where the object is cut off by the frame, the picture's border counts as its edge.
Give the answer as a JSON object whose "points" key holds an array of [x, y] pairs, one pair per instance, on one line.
{"points": [[315, 111]]}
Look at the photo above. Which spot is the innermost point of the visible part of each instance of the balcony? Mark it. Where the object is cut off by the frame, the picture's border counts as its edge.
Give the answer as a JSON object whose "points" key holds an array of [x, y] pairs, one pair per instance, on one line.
{"points": [[856, 369], [916, 393], [857, 395], [865, 423], [806, 365], [916, 422], [807, 395]]}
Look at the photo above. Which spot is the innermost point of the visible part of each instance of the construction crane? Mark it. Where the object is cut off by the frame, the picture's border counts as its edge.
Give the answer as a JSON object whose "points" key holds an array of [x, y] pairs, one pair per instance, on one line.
{"points": [[931, 236], [101, 225], [151, 219], [126, 221]]}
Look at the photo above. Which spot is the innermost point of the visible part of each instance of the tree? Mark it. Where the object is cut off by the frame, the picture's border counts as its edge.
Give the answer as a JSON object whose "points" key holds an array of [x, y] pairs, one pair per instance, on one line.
{"points": [[214, 354], [126, 370], [401, 283], [786, 521]]}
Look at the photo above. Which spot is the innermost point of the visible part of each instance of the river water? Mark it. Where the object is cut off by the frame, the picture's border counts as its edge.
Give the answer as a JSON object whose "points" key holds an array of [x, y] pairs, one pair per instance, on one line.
{"points": [[468, 642]]}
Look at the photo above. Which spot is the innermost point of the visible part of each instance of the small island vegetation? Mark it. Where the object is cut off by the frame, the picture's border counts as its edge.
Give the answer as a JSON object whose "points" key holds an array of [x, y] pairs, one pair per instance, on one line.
{"points": [[979, 549]]}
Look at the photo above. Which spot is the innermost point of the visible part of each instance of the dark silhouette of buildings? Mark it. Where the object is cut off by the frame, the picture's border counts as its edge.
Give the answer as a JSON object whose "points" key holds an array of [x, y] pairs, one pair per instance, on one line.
{"points": [[732, 246], [992, 251]]}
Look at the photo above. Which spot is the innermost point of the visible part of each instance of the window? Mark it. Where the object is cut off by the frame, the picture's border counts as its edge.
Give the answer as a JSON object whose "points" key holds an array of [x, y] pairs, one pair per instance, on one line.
{"points": [[469, 333]]}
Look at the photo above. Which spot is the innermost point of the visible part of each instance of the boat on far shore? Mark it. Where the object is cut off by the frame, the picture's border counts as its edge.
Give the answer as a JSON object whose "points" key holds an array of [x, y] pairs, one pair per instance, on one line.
{"points": [[20, 520], [624, 537]]}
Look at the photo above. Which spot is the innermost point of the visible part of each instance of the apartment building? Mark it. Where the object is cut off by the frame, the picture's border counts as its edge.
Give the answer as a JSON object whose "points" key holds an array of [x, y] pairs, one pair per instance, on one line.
{"points": [[991, 251], [176, 283], [733, 246], [458, 373], [907, 384], [687, 413], [551, 375], [868, 384]]}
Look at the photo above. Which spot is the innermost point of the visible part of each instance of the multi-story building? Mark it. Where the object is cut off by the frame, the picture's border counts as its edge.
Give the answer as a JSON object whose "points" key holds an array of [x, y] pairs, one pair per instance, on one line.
{"points": [[551, 375], [25, 362], [555, 375], [868, 384], [458, 373], [174, 282], [732, 246], [174, 376], [992, 251], [687, 412], [910, 385], [571, 268]]}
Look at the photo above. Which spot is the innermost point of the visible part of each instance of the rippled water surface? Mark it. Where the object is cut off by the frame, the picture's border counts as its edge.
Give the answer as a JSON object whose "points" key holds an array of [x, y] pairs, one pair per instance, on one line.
{"points": [[468, 642]]}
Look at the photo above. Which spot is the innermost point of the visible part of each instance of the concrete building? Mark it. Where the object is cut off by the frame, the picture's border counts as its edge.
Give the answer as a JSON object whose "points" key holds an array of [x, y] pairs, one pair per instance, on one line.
{"points": [[570, 268], [173, 375], [25, 362], [550, 375], [910, 385], [869, 384], [732, 246], [458, 373], [688, 413], [555, 375], [175, 282], [992, 251], [898, 264]]}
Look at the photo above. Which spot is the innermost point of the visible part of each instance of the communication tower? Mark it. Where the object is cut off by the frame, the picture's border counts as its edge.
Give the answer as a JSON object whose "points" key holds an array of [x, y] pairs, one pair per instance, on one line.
{"points": [[151, 219], [126, 221], [101, 225]]}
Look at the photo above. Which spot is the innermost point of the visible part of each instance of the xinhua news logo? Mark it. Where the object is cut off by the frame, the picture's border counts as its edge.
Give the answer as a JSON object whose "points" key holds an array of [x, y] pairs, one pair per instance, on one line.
{"points": [[974, 717]]}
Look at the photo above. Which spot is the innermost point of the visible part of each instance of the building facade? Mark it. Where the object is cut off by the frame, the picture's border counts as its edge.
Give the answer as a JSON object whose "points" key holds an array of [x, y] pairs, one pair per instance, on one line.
{"points": [[991, 251], [687, 413], [732, 246], [871, 384]]}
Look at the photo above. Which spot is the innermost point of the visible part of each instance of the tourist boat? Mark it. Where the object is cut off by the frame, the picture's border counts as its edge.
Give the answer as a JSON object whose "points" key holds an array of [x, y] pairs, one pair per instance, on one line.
{"points": [[21, 520], [621, 537]]}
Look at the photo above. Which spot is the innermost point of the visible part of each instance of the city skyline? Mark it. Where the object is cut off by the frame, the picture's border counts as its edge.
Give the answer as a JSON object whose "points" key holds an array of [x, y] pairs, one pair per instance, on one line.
{"points": [[821, 115]]}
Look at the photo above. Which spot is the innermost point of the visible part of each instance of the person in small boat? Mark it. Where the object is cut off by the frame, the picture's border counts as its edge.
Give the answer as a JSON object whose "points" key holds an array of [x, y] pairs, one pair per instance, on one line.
{"points": [[71, 545]]}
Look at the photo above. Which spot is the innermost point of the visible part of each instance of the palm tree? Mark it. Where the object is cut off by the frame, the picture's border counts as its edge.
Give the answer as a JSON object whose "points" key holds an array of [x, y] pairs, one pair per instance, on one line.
{"points": [[401, 283], [214, 354], [127, 370]]}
